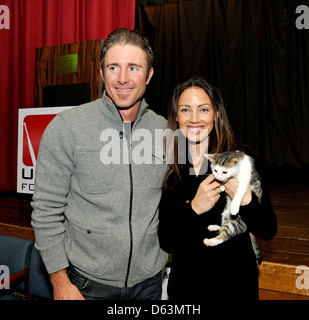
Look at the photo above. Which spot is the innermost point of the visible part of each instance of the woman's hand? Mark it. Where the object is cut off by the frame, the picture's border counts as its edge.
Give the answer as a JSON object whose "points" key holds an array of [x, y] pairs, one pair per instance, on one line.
{"points": [[208, 193], [231, 188]]}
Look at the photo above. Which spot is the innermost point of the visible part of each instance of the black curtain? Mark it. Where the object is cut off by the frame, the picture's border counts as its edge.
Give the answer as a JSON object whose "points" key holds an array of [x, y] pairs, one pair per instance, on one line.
{"points": [[252, 51]]}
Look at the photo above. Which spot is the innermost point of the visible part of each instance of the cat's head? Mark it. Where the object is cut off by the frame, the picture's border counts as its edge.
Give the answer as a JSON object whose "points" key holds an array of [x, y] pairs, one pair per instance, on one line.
{"points": [[225, 165]]}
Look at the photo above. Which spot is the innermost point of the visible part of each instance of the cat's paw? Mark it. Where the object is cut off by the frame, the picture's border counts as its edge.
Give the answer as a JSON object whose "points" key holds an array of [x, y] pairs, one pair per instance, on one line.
{"points": [[214, 227], [212, 242], [222, 188], [234, 209]]}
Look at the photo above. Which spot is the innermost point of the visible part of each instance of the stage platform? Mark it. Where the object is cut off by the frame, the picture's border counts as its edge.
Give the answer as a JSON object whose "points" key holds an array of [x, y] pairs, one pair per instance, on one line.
{"points": [[283, 274], [284, 256]]}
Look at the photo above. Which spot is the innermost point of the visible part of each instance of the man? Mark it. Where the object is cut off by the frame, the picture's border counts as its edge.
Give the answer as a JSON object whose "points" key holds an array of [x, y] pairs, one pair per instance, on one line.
{"points": [[95, 220]]}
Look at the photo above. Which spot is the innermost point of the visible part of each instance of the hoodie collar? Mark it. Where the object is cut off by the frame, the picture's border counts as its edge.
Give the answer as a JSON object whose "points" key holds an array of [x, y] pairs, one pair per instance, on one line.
{"points": [[111, 111]]}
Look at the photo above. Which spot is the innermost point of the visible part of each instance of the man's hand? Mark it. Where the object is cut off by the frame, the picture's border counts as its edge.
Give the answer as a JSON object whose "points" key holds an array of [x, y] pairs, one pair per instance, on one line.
{"points": [[63, 288]]}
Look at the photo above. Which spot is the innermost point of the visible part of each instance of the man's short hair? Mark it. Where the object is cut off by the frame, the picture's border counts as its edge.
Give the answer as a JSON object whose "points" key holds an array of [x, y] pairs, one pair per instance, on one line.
{"points": [[125, 36]]}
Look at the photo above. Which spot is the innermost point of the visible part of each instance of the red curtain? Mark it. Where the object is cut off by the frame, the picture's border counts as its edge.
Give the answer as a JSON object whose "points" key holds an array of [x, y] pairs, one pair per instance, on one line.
{"points": [[38, 23]]}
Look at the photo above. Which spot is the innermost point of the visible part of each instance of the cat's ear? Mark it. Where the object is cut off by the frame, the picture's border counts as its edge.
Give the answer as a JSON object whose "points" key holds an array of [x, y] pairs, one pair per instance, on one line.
{"points": [[211, 157]]}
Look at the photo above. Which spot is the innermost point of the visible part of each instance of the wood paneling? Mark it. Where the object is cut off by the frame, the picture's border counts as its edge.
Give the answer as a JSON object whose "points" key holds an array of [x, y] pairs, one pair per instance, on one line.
{"points": [[17, 231], [88, 70], [15, 215]]}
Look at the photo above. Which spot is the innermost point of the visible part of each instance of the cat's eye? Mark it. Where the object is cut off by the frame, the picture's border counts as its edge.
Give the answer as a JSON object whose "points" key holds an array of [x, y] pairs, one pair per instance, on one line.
{"points": [[224, 172]]}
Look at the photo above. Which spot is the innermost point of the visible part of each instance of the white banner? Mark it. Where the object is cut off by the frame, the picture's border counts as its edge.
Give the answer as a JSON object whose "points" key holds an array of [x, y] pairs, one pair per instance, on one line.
{"points": [[31, 125]]}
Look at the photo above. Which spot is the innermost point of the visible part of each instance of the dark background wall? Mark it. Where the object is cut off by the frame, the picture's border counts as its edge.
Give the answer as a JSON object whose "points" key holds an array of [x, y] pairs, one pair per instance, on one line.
{"points": [[252, 51]]}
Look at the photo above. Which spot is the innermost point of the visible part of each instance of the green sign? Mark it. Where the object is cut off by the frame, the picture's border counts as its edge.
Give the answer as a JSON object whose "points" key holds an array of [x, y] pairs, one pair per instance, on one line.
{"points": [[66, 63]]}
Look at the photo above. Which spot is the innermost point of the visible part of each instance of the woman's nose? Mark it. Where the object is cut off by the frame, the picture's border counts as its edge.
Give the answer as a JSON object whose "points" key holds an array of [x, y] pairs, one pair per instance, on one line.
{"points": [[194, 117]]}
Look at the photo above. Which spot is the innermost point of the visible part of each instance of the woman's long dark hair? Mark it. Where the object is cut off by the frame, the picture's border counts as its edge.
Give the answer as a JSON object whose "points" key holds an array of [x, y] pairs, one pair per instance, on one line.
{"points": [[221, 138]]}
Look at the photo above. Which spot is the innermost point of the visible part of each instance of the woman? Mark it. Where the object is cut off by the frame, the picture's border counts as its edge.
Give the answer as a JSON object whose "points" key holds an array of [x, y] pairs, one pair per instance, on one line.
{"points": [[192, 201]]}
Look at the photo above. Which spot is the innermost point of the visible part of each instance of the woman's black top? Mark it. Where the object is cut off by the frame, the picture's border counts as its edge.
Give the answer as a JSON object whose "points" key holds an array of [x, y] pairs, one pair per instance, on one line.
{"points": [[227, 271]]}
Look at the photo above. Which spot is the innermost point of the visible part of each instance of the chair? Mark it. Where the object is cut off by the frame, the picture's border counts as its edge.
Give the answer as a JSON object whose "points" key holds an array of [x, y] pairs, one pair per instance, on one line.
{"points": [[15, 254], [28, 274], [39, 283]]}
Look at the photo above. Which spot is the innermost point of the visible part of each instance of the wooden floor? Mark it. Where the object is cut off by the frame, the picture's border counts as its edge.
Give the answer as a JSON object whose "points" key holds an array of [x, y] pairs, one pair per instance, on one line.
{"points": [[290, 247], [282, 255]]}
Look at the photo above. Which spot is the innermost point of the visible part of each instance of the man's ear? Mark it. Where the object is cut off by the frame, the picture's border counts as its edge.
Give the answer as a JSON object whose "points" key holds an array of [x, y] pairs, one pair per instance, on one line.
{"points": [[101, 73], [150, 74]]}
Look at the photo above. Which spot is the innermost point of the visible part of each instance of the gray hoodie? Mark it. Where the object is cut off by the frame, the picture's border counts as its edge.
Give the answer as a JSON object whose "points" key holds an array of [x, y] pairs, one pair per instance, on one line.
{"points": [[101, 218]]}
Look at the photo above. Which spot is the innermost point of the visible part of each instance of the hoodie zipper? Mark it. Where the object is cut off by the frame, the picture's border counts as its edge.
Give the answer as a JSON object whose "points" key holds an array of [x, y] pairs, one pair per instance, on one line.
{"points": [[141, 113], [130, 225], [128, 137]]}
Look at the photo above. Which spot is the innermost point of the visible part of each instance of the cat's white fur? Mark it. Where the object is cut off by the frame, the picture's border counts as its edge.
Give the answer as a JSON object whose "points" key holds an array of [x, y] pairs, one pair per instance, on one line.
{"points": [[225, 215], [242, 172]]}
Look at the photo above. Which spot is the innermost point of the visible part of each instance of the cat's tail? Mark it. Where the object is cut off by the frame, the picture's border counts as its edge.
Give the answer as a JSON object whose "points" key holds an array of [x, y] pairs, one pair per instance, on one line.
{"points": [[256, 249]]}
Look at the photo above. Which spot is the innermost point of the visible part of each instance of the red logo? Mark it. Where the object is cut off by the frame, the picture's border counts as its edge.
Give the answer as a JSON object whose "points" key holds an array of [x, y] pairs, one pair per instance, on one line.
{"points": [[33, 128]]}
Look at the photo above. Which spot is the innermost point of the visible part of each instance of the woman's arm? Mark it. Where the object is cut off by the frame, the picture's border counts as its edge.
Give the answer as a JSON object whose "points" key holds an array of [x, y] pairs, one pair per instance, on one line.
{"points": [[260, 218], [177, 214]]}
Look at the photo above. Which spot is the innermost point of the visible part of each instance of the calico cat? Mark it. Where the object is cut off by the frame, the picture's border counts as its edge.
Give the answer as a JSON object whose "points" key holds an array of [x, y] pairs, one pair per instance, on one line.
{"points": [[240, 166]]}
